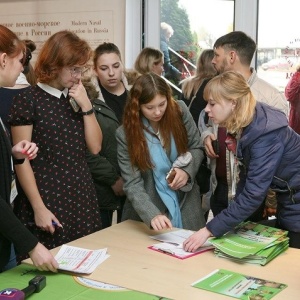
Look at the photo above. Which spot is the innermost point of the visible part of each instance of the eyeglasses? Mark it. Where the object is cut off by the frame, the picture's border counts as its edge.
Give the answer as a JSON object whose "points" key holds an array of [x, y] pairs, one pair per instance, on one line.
{"points": [[78, 70]]}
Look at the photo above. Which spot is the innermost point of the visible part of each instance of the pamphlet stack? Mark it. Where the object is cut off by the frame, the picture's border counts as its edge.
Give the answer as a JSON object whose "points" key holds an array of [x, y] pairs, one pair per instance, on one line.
{"points": [[251, 243]]}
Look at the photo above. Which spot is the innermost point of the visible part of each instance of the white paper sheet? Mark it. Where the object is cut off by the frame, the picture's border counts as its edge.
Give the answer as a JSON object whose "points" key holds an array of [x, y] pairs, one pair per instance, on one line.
{"points": [[176, 237], [80, 260]]}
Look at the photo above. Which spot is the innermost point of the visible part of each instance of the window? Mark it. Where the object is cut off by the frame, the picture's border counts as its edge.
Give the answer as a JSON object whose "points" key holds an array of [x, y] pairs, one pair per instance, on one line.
{"points": [[278, 44], [196, 26]]}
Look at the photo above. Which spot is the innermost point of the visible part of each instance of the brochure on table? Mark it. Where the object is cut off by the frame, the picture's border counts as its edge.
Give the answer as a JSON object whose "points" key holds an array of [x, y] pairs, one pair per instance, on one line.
{"points": [[172, 244], [251, 241], [239, 286], [79, 260]]}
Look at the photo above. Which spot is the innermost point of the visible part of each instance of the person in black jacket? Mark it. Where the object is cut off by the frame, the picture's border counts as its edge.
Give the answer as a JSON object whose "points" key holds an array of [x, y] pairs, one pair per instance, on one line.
{"points": [[12, 231], [112, 87]]}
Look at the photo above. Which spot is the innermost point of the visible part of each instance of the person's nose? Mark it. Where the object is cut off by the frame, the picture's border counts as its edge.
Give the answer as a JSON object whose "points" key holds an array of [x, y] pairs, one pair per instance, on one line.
{"points": [[157, 111], [206, 109], [111, 72]]}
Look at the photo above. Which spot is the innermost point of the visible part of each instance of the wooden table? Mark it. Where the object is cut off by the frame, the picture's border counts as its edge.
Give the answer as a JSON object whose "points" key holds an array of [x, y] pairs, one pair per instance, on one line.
{"points": [[135, 267]]}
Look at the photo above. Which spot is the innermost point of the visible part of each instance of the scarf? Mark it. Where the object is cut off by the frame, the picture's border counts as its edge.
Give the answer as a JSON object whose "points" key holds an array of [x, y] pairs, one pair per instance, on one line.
{"points": [[162, 164]]}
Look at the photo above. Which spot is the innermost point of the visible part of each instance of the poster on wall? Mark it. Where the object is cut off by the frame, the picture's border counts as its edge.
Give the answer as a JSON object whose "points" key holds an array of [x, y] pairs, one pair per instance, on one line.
{"points": [[97, 21]]}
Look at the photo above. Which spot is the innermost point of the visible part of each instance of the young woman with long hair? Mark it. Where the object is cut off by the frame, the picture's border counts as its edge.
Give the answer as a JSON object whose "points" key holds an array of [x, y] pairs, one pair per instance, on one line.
{"points": [[193, 87], [159, 134]]}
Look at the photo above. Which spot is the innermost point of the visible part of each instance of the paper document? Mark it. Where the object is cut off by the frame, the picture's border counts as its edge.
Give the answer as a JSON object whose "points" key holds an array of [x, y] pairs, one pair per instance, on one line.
{"points": [[176, 237], [178, 251], [172, 244], [79, 260]]}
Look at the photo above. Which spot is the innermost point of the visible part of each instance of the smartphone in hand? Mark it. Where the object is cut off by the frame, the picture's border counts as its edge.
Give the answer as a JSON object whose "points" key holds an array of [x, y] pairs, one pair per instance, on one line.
{"points": [[74, 104], [216, 146], [171, 175]]}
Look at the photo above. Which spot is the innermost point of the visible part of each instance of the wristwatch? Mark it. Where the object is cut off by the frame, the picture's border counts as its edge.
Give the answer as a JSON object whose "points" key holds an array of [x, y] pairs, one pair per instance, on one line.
{"points": [[86, 113]]}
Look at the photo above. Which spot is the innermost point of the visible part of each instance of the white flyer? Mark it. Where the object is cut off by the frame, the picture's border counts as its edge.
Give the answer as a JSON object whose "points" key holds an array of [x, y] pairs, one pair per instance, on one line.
{"points": [[176, 237], [80, 260]]}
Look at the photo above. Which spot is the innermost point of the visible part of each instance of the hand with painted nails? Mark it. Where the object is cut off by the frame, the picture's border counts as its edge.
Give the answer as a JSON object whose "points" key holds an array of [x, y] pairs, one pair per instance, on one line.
{"points": [[25, 149]]}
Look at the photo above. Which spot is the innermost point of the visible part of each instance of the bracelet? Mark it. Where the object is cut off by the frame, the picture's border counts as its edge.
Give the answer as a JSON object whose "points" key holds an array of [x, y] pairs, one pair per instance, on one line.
{"points": [[86, 113], [18, 161]]}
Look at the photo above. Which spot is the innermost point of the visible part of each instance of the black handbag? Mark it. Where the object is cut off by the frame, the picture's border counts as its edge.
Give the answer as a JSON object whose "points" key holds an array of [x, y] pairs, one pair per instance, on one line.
{"points": [[203, 176]]}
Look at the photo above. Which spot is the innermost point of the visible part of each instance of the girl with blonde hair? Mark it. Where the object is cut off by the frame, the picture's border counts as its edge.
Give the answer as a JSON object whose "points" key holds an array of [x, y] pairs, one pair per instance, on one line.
{"points": [[150, 60], [263, 146], [193, 87]]}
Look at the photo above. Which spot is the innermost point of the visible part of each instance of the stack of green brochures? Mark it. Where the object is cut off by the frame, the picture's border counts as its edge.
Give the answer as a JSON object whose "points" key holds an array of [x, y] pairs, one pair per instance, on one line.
{"points": [[239, 286], [251, 243]]}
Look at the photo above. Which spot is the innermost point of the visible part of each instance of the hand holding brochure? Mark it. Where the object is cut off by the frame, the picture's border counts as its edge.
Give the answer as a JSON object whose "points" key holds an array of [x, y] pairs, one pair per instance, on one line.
{"points": [[172, 244], [79, 260]]}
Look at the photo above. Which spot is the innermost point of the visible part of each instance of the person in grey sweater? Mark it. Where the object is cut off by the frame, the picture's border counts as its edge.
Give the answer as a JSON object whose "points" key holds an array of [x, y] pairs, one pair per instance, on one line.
{"points": [[156, 131]]}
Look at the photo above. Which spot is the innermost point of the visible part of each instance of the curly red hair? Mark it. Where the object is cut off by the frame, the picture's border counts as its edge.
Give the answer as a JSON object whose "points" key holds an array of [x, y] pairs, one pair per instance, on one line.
{"points": [[62, 49]]}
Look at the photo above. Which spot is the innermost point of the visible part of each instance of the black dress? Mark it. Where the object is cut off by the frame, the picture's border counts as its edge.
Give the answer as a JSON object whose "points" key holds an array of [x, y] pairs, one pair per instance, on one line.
{"points": [[61, 172], [11, 229]]}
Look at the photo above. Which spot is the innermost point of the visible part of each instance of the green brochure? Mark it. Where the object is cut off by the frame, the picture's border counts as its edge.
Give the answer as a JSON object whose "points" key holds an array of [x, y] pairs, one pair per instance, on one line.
{"points": [[251, 241], [239, 286]]}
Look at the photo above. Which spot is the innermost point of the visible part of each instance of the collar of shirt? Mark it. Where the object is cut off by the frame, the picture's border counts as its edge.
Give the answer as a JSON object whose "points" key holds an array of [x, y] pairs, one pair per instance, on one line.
{"points": [[22, 79], [53, 91]]}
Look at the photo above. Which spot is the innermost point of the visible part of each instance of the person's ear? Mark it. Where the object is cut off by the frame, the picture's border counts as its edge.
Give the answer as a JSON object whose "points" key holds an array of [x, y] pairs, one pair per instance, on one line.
{"points": [[232, 56], [94, 70], [233, 105], [3, 60]]}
